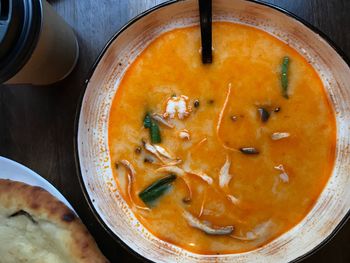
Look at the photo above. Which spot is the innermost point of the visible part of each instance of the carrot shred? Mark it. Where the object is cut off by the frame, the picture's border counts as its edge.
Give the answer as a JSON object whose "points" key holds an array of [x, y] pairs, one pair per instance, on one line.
{"points": [[189, 190], [202, 205], [198, 144], [218, 125]]}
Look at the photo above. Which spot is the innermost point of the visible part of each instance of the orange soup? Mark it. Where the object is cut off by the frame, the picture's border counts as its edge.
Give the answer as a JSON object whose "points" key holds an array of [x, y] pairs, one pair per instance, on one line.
{"points": [[221, 158]]}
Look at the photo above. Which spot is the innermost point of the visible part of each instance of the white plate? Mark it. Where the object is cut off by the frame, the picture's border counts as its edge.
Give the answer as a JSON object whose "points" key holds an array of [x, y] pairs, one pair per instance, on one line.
{"points": [[17, 172]]}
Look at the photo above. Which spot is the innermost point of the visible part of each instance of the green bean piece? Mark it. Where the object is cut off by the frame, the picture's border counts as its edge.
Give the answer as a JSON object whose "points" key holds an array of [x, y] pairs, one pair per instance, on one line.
{"points": [[155, 133], [147, 121], [284, 77], [156, 189], [153, 127]]}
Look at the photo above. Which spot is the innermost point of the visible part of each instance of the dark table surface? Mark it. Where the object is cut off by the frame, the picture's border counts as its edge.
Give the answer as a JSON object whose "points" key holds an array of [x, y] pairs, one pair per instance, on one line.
{"points": [[37, 123]]}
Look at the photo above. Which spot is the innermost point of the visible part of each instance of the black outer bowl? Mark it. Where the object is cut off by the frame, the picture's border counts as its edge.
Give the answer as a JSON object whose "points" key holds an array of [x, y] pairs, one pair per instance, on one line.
{"points": [[91, 71]]}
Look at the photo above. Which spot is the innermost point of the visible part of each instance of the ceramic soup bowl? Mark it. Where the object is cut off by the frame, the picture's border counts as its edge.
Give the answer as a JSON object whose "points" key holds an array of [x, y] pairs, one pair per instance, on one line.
{"points": [[95, 169]]}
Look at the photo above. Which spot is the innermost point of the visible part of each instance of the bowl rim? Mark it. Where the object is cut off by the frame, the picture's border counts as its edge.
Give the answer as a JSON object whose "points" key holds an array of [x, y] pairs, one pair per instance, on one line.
{"points": [[91, 71]]}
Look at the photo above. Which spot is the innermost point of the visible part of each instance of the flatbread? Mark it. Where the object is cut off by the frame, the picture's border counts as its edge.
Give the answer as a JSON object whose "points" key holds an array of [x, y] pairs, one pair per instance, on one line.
{"points": [[35, 227]]}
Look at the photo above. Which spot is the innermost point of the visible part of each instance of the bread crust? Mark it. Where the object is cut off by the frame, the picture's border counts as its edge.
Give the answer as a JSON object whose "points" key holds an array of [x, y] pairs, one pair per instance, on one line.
{"points": [[41, 205]]}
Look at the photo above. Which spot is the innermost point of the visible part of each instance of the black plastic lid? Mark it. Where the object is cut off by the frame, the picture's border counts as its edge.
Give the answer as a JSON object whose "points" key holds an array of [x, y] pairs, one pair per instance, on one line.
{"points": [[20, 25]]}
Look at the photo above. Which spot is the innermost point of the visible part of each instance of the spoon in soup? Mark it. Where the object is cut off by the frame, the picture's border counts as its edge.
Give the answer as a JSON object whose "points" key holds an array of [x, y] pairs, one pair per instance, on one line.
{"points": [[205, 14]]}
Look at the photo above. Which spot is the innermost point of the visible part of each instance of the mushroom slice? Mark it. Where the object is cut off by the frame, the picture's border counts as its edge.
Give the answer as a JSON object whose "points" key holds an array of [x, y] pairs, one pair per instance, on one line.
{"points": [[160, 118], [151, 149], [207, 228], [129, 167], [131, 178], [279, 135], [225, 177], [163, 152], [163, 155]]}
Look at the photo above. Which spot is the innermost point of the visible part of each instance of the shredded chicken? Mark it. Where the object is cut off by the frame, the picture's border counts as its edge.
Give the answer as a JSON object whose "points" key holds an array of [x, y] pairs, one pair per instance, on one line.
{"points": [[249, 237], [184, 134], [260, 231], [233, 200], [225, 177], [160, 118], [283, 176], [207, 228], [201, 175], [224, 180]]}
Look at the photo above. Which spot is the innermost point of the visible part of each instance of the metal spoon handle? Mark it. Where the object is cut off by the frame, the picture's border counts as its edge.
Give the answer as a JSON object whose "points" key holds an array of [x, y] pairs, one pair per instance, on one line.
{"points": [[205, 13]]}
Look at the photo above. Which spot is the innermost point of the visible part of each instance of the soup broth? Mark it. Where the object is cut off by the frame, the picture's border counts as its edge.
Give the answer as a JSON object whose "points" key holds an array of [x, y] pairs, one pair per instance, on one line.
{"points": [[222, 157]]}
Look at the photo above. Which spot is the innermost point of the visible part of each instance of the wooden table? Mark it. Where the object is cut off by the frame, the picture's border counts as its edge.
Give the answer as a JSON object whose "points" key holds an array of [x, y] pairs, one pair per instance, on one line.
{"points": [[37, 123]]}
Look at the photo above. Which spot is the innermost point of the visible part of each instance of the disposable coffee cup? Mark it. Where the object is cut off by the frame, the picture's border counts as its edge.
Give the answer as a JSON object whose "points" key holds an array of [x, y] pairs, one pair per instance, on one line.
{"points": [[36, 45]]}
